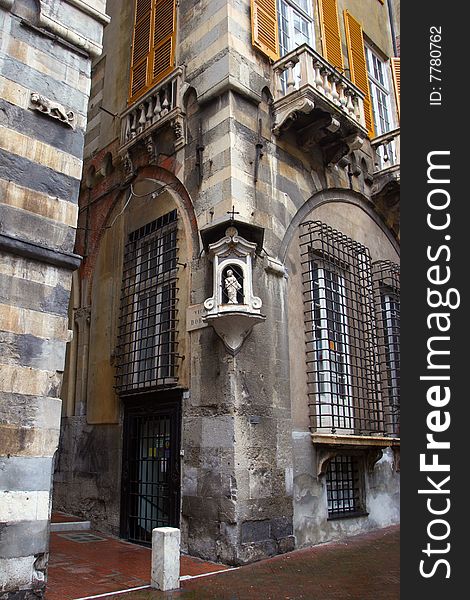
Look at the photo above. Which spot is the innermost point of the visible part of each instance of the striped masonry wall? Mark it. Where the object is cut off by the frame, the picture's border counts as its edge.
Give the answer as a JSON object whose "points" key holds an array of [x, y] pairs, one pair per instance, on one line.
{"points": [[40, 172]]}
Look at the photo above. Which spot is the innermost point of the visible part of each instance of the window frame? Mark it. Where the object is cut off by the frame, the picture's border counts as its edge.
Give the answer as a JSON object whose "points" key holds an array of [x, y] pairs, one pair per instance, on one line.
{"points": [[293, 8], [340, 402], [384, 88]]}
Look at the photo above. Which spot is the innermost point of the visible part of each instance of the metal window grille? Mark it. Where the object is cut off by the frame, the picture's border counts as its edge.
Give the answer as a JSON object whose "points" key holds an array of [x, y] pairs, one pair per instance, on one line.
{"points": [[147, 338], [386, 277], [343, 486], [340, 332]]}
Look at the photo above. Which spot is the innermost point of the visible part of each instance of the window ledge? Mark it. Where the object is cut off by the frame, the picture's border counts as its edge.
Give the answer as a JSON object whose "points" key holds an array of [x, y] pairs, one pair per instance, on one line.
{"points": [[329, 445], [349, 515], [358, 441]]}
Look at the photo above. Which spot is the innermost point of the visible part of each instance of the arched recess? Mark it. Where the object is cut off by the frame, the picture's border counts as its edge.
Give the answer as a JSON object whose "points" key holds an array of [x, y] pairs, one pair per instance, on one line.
{"points": [[153, 193], [181, 197], [333, 196], [353, 215], [102, 219]]}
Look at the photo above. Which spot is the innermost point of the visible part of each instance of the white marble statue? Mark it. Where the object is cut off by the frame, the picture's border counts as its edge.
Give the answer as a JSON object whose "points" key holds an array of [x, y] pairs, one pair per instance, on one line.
{"points": [[231, 287]]}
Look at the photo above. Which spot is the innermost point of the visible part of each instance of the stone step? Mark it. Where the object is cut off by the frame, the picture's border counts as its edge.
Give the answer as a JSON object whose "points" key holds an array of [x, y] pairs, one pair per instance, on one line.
{"points": [[71, 526]]}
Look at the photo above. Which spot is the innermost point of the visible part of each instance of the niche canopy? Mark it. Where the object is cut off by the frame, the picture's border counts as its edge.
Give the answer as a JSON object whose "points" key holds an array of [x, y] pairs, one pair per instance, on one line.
{"points": [[233, 310]]}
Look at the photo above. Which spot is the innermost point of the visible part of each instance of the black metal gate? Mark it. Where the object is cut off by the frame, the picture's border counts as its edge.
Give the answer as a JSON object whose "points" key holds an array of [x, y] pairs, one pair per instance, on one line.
{"points": [[151, 473]]}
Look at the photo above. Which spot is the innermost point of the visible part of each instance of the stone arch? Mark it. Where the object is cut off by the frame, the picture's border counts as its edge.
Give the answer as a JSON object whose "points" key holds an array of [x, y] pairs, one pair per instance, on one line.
{"points": [[181, 197], [333, 195], [178, 192]]}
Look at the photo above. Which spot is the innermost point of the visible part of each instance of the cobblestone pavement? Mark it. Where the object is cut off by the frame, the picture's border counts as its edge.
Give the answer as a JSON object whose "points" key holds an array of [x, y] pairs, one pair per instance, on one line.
{"points": [[365, 567]]}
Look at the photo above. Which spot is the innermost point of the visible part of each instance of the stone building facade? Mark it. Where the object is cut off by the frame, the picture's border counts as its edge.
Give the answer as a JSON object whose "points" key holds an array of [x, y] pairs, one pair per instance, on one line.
{"points": [[234, 368], [46, 50]]}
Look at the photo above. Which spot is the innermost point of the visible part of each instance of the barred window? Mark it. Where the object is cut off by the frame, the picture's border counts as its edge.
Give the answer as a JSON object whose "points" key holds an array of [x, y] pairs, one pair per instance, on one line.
{"points": [[344, 487], [147, 344], [340, 332], [386, 276], [352, 317]]}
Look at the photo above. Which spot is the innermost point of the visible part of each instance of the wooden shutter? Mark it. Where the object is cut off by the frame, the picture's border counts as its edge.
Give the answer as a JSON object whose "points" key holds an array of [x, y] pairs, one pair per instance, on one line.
{"points": [[140, 48], [153, 44], [264, 31], [357, 64], [331, 37], [395, 63], [163, 47]]}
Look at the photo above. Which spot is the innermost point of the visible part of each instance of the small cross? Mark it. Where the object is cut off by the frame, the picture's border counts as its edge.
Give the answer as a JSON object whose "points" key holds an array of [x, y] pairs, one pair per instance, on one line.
{"points": [[232, 213]]}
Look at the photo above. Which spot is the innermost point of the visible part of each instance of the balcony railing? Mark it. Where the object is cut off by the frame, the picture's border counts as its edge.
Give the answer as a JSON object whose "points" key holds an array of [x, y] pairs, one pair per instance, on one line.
{"points": [[162, 105], [304, 81], [387, 152]]}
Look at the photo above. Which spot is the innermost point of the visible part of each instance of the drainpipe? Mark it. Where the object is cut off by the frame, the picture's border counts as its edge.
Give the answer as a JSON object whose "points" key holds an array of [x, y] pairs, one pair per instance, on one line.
{"points": [[392, 27]]}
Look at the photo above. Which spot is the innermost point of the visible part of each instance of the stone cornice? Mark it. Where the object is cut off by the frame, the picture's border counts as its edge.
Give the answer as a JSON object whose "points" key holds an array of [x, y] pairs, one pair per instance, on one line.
{"points": [[74, 38], [27, 249], [86, 8]]}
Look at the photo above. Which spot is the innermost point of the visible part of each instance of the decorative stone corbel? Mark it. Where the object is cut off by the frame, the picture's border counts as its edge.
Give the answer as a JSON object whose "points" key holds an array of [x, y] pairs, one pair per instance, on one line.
{"points": [[333, 126], [289, 112], [52, 109], [324, 455], [151, 148], [372, 457], [177, 124], [355, 142], [128, 166]]}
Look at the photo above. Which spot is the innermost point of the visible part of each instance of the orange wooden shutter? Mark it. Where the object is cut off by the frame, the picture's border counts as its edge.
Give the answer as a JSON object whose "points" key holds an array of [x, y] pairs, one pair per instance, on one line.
{"points": [[264, 29], [357, 64], [331, 38], [140, 48], [395, 62], [163, 47]]}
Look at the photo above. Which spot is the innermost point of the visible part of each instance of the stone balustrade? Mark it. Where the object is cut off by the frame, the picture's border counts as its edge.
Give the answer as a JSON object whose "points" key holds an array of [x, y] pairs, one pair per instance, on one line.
{"points": [[387, 151], [303, 73], [161, 105]]}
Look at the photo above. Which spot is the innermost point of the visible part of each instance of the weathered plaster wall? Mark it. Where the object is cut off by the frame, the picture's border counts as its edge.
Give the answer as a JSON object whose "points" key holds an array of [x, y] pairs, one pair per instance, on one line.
{"points": [[311, 523]]}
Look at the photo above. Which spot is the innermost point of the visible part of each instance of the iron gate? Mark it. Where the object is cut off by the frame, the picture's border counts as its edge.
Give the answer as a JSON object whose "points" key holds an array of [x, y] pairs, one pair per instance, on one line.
{"points": [[151, 473]]}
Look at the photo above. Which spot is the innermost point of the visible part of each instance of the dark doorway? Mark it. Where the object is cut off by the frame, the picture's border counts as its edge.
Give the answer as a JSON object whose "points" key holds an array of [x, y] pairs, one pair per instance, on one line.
{"points": [[151, 466]]}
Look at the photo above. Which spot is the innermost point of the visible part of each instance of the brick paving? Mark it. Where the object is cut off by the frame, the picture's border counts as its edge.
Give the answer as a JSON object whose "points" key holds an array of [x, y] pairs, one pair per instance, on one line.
{"points": [[78, 567], [366, 567]]}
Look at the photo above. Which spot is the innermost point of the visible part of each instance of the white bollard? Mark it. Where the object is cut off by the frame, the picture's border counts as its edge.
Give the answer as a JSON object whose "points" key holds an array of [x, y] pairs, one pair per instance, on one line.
{"points": [[165, 558]]}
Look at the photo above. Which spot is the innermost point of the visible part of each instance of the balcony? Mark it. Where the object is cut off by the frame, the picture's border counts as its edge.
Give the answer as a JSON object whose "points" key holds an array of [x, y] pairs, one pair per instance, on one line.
{"points": [[387, 153], [386, 178], [160, 108], [316, 100]]}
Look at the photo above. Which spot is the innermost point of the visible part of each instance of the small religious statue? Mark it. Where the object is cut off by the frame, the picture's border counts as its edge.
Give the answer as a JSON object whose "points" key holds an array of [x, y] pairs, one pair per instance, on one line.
{"points": [[231, 287]]}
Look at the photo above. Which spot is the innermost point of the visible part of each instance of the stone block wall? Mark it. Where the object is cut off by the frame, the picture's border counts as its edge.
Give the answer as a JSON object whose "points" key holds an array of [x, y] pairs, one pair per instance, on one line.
{"points": [[45, 57], [239, 488]]}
